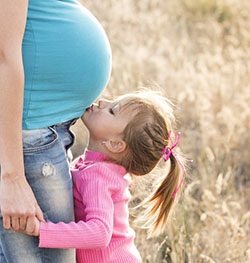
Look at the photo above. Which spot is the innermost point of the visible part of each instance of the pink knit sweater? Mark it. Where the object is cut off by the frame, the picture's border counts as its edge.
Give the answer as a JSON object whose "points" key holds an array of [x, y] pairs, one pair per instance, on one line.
{"points": [[101, 233]]}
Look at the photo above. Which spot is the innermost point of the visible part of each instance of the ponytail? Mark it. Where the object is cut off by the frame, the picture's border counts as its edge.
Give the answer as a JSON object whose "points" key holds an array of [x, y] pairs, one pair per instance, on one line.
{"points": [[148, 140], [161, 202]]}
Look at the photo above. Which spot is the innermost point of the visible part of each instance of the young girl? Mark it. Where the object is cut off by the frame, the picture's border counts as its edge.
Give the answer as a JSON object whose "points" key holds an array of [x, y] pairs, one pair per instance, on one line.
{"points": [[127, 136]]}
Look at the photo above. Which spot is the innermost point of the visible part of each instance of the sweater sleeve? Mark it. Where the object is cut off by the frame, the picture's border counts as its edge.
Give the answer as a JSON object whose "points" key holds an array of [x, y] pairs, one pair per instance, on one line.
{"points": [[96, 188]]}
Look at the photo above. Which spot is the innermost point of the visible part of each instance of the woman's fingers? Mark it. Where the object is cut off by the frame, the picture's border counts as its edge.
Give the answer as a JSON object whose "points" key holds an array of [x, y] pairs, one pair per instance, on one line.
{"points": [[14, 223], [6, 222], [22, 223], [39, 213]]}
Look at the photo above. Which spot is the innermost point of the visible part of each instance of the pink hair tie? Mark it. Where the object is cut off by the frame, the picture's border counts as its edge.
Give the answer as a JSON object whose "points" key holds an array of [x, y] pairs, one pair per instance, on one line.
{"points": [[168, 150]]}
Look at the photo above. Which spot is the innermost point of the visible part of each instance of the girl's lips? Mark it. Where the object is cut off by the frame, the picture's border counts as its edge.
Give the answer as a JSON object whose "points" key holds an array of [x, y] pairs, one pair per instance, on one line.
{"points": [[90, 108]]}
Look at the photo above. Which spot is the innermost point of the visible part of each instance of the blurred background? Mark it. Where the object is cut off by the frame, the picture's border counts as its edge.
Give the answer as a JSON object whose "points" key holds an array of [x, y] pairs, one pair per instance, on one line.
{"points": [[198, 53]]}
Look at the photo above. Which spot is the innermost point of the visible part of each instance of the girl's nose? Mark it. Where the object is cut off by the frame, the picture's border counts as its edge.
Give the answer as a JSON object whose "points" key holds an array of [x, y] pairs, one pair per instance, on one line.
{"points": [[102, 103]]}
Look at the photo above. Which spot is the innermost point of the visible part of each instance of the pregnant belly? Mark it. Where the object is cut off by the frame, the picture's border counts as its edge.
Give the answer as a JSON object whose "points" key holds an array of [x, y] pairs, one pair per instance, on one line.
{"points": [[66, 55]]}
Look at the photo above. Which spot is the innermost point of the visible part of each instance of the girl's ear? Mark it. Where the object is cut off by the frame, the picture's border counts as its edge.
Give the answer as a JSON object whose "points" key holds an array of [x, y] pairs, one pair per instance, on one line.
{"points": [[117, 146]]}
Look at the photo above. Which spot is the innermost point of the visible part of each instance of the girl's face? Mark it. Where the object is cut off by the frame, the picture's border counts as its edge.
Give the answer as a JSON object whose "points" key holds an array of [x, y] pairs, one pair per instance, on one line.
{"points": [[105, 120]]}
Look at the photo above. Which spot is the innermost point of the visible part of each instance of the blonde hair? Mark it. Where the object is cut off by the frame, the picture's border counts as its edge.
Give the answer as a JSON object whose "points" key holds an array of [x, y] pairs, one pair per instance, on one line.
{"points": [[146, 135]]}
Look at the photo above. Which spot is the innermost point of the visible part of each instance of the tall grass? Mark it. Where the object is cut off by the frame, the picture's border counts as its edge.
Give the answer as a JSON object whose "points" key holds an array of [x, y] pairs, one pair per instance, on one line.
{"points": [[198, 52]]}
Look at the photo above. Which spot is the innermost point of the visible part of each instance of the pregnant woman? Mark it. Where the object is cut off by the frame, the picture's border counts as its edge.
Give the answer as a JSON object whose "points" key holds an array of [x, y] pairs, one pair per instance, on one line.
{"points": [[55, 60]]}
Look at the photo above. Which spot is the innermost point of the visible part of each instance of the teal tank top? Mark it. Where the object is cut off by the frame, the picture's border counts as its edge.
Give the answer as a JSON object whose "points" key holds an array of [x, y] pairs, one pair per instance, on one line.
{"points": [[66, 59]]}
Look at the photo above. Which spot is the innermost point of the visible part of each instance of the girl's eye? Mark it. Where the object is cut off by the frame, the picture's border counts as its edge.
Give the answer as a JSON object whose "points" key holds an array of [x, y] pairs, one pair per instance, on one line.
{"points": [[111, 111]]}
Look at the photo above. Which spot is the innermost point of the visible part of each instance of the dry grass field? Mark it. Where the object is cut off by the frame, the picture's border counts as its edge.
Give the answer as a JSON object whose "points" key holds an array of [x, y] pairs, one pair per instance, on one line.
{"points": [[198, 52]]}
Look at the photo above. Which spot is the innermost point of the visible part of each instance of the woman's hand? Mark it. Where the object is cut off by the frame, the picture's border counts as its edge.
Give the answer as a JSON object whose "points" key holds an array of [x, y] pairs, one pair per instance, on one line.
{"points": [[36, 230], [18, 205]]}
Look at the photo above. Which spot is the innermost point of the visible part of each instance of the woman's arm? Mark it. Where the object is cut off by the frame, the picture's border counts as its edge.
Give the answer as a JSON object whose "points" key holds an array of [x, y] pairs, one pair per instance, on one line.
{"points": [[18, 204]]}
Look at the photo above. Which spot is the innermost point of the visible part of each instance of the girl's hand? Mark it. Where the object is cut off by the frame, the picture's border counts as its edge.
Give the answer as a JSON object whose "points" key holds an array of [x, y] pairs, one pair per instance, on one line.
{"points": [[37, 228]]}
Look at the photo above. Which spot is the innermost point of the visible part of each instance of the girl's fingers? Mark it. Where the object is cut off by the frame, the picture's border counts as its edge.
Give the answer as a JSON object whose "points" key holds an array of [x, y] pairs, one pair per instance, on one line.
{"points": [[30, 225], [37, 228]]}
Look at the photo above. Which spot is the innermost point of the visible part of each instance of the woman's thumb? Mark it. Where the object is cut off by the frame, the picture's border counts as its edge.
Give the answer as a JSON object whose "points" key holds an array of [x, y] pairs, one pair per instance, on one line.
{"points": [[39, 213]]}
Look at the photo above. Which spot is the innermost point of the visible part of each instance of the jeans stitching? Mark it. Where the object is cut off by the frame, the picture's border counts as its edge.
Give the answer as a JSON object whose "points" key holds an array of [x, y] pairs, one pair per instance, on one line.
{"points": [[43, 147]]}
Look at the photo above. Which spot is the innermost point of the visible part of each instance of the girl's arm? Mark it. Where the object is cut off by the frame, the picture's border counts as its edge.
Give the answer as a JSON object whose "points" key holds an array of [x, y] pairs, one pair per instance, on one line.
{"points": [[18, 204], [96, 231]]}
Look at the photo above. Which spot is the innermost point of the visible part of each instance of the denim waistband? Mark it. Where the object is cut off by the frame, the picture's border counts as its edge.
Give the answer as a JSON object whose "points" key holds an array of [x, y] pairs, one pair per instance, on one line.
{"points": [[66, 123]]}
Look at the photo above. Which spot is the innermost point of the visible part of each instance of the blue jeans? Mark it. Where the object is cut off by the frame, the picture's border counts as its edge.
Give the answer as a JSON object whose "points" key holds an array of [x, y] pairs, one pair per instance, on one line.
{"points": [[46, 164]]}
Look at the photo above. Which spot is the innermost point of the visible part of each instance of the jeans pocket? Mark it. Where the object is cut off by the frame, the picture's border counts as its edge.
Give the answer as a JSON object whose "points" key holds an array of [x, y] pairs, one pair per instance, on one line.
{"points": [[39, 139]]}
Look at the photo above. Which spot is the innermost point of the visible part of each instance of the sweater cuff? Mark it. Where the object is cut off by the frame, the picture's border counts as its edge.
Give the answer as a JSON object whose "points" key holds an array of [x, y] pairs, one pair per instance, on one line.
{"points": [[42, 236]]}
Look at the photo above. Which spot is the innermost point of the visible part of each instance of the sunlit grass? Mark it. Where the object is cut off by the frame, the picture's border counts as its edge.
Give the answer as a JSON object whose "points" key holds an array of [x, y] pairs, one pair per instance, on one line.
{"points": [[198, 52], [220, 10]]}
